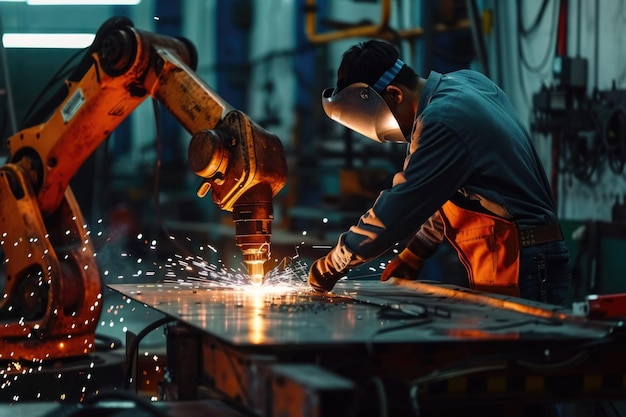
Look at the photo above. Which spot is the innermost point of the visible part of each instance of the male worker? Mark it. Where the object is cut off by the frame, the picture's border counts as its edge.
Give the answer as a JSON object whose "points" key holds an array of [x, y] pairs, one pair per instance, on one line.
{"points": [[471, 176]]}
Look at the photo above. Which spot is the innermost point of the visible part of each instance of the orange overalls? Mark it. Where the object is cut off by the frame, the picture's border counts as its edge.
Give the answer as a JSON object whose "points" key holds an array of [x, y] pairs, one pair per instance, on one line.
{"points": [[488, 247]]}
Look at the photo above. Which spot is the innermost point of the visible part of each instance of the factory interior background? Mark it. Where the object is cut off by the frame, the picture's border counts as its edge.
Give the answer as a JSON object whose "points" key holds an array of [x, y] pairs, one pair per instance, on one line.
{"points": [[562, 63]]}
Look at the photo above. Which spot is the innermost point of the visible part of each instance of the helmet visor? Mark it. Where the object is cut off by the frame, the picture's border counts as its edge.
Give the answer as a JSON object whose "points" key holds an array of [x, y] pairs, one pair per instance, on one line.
{"points": [[360, 108]]}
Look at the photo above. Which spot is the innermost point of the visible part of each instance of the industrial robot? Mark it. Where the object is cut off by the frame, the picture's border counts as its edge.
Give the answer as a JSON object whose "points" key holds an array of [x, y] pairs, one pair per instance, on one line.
{"points": [[52, 291]]}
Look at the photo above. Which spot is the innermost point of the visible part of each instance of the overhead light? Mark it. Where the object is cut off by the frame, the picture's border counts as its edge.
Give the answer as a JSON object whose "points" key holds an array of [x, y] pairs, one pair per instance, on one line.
{"points": [[48, 40], [83, 2]]}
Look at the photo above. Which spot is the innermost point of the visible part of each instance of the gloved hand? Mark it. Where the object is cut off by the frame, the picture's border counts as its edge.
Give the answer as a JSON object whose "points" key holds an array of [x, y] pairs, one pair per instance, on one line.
{"points": [[406, 265], [323, 275]]}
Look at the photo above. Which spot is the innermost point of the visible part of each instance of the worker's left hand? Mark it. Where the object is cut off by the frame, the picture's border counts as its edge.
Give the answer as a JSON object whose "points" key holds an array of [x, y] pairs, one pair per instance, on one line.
{"points": [[406, 265], [323, 275]]}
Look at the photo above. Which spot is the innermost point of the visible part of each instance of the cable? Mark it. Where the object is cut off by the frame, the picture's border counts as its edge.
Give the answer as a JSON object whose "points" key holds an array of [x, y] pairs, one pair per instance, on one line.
{"points": [[574, 360], [92, 406], [583, 158], [544, 61], [108, 342], [414, 323], [596, 52], [157, 177], [582, 352], [615, 140], [579, 26], [522, 57], [610, 405], [116, 396], [538, 18], [365, 399], [132, 349], [238, 378], [34, 115]]}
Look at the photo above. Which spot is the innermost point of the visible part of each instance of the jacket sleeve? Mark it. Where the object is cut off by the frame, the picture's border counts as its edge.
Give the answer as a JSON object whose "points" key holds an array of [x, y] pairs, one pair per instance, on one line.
{"points": [[437, 165], [428, 237]]}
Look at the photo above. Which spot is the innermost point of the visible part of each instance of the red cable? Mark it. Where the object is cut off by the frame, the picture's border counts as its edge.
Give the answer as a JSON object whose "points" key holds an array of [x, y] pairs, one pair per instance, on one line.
{"points": [[561, 43]]}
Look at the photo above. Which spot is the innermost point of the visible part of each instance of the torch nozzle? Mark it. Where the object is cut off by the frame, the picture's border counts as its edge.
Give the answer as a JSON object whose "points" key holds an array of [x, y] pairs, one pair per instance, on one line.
{"points": [[254, 261], [253, 230]]}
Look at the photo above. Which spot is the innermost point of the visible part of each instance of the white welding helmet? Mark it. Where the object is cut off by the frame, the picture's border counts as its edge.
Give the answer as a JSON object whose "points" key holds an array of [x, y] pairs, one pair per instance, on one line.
{"points": [[361, 108]]}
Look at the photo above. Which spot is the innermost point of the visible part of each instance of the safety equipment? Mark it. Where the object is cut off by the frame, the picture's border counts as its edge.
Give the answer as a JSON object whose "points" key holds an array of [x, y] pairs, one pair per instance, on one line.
{"points": [[360, 107], [488, 247], [406, 265], [323, 276]]}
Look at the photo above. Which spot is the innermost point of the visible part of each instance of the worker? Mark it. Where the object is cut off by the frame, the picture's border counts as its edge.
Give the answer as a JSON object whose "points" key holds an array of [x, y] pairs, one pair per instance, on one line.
{"points": [[471, 176]]}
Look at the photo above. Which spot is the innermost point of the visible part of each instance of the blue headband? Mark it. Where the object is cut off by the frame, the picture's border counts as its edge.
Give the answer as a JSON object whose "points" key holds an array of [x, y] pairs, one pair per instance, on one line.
{"points": [[388, 76]]}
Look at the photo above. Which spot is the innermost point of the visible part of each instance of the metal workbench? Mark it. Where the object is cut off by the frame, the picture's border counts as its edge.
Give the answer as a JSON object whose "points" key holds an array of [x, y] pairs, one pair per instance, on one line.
{"points": [[280, 350]]}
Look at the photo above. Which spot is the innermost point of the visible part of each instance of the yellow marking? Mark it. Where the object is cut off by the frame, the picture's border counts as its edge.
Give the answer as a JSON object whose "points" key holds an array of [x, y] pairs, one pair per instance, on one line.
{"points": [[457, 385], [535, 383], [592, 383], [496, 384]]}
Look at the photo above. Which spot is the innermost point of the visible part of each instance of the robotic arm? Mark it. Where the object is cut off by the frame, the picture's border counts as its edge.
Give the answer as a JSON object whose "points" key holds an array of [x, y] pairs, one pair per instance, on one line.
{"points": [[52, 288]]}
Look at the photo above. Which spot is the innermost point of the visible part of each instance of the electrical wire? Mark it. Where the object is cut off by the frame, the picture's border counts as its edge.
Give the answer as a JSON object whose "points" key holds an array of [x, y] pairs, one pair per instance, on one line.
{"points": [[238, 378], [579, 26], [117, 396], [58, 76], [108, 343], [521, 34], [535, 24], [157, 179], [520, 76], [439, 375], [132, 349], [582, 352], [411, 324], [611, 406], [596, 52], [614, 139], [578, 358], [582, 157], [365, 399]]}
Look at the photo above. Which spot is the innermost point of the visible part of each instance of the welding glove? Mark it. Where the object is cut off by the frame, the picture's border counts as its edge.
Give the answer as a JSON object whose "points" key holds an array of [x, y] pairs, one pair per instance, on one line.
{"points": [[326, 271], [409, 262]]}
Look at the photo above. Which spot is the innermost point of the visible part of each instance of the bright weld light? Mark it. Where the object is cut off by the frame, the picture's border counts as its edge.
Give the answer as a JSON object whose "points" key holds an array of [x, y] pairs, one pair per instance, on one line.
{"points": [[48, 40]]}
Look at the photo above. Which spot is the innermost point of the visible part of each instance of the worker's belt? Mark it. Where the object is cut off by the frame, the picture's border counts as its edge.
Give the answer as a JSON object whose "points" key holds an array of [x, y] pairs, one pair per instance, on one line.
{"points": [[536, 235]]}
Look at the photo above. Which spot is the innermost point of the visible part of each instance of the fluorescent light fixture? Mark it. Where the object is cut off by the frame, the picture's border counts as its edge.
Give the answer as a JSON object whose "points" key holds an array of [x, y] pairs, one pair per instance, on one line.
{"points": [[83, 2], [48, 40]]}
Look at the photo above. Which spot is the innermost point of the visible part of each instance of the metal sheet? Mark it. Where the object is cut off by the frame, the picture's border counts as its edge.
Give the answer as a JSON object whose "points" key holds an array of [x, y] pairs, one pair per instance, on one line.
{"points": [[358, 312]]}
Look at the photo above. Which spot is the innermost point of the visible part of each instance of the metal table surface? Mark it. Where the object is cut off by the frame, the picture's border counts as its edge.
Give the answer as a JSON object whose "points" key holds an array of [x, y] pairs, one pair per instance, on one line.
{"points": [[361, 312]]}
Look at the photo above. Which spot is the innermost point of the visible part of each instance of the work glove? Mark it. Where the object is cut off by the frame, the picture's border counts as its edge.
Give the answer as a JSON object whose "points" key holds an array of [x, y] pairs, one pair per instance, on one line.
{"points": [[326, 271], [409, 262], [323, 275], [406, 265]]}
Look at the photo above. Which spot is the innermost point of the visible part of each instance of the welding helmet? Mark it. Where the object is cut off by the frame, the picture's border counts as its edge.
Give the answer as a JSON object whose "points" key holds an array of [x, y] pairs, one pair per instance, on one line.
{"points": [[361, 108]]}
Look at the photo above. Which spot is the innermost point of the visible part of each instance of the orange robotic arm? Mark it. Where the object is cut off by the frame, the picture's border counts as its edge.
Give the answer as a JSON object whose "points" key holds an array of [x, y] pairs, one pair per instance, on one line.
{"points": [[52, 285]]}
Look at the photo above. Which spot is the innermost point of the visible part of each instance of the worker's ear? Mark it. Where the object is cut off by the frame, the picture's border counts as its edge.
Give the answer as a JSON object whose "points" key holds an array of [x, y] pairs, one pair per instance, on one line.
{"points": [[395, 93]]}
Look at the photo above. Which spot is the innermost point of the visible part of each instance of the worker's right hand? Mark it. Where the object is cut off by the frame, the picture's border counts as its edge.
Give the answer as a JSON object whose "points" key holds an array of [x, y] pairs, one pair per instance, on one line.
{"points": [[406, 265], [323, 276]]}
